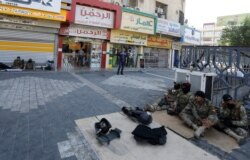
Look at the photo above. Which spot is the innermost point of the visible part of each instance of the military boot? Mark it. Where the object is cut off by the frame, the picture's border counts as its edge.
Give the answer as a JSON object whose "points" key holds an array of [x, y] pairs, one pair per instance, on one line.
{"points": [[200, 131], [240, 140]]}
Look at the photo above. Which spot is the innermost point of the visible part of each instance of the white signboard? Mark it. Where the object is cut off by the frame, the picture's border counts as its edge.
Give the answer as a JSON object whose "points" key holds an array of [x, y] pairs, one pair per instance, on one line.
{"points": [[94, 17], [125, 37], [191, 36], [85, 31], [168, 27], [43, 5]]}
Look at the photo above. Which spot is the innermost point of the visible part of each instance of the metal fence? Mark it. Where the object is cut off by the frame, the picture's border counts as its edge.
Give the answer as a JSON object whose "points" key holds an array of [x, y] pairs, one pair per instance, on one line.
{"points": [[231, 64]]}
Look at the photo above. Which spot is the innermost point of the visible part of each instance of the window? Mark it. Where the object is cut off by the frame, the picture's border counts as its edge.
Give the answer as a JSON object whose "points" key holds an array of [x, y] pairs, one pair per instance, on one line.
{"points": [[161, 10], [181, 17], [208, 34], [133, 3]]}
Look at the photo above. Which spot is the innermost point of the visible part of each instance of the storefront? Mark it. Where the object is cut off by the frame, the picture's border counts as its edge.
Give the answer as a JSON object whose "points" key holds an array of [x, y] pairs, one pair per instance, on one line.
{"points": [[83, 39], [157, 52], [29, 31], [135, 28], [131, 41], [173, 32]]}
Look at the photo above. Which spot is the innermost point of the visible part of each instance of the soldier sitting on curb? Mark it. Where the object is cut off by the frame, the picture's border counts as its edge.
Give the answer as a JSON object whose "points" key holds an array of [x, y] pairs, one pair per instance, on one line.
{"points": [[199, 114], [166, 101], [182, 99], [30, 65], [18, 63], [233, 119]]}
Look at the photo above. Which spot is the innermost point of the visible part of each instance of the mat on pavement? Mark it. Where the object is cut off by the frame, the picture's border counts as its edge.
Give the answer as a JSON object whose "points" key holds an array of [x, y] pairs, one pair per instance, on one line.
{"points": [[212, 136], [126, 147]]}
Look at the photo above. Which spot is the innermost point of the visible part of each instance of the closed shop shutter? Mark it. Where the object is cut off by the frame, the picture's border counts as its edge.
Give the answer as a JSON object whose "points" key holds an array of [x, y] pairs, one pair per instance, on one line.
{"points": [[26, 44], [155, 58]]}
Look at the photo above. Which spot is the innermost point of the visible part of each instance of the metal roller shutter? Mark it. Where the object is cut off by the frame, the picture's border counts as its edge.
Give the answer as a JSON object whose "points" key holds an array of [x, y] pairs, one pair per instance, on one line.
{"points": [[26, 44]]}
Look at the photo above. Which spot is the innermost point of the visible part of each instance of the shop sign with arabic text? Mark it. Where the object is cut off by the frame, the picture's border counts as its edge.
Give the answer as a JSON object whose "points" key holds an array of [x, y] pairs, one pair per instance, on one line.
{"points": [[137, 23], [85, 31], [43, 5], [94, 17], [125, 37], [31, 13], [159, 42], [168, 27]]}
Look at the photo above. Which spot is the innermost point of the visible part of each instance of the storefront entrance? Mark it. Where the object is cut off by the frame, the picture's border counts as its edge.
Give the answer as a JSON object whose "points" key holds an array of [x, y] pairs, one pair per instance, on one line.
{"points": [[81, 53], [132, 51]]}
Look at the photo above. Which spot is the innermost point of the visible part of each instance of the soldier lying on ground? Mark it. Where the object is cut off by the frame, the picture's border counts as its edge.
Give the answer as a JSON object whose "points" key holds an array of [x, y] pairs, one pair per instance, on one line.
{"points": [[233, 119], [167, 100], [199, 114]]}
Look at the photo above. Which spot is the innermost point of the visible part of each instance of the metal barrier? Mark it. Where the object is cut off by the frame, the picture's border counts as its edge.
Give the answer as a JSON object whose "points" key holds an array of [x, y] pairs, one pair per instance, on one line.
{"points": [[231, 64]]}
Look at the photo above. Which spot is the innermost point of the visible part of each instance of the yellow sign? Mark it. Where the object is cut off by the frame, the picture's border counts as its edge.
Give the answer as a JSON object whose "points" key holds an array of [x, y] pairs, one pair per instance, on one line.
{"points": [[125, 37], [137, 23], [154, 41], [33, 13]]}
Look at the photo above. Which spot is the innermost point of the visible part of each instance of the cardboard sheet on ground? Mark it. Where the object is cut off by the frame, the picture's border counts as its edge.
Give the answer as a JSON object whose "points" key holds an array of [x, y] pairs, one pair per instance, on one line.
{"points": [[213, 137], [176, 148]]}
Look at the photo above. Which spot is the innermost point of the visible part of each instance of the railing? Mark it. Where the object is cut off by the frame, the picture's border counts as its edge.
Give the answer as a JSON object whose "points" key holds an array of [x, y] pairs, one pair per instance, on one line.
{"points": [[231, 64]]}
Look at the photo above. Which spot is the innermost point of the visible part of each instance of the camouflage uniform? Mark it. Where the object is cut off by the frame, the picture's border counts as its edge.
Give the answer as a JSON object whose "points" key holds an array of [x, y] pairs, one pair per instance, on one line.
{"points": [[181, 101], [167, 101], [234, 119], [18, 64], [193, 113]]}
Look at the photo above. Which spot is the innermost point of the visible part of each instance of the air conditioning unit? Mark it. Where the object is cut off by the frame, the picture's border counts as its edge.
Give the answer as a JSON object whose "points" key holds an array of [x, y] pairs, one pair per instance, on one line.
{"points": [[117, 2], [137, 8], [159, 10], [199, 80]]}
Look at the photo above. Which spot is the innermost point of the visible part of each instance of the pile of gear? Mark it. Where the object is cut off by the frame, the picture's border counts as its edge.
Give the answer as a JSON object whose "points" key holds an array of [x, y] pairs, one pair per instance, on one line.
{"points": [[104, 133], [142, 132]]}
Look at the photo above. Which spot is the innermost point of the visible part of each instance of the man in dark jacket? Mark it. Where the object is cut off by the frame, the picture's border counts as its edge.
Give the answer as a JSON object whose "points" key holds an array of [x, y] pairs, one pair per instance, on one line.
{"points": [[122, 60]]}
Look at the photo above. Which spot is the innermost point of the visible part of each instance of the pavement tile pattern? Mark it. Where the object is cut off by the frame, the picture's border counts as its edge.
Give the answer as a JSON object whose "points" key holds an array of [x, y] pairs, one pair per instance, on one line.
{"points": [[38, 111]]}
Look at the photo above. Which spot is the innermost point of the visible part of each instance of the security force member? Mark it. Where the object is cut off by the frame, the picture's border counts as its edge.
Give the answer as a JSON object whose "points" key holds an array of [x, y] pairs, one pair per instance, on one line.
{"points": [[199, 114], [233, 119]]}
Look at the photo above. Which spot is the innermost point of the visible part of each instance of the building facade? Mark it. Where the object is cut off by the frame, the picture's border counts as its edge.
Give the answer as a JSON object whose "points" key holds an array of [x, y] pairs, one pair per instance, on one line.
{"points": [[159, 48], [212, 32], [30, 30], [84, 36]]}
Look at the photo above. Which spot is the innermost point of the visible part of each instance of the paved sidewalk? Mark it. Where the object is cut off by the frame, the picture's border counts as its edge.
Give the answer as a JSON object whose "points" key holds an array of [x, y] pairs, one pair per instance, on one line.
{"points": [[38, 110]]}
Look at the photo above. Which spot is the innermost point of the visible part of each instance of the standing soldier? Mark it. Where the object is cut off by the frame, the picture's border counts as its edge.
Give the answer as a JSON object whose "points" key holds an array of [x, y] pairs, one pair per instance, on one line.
{"points": [[199, 114], [233, 119]]}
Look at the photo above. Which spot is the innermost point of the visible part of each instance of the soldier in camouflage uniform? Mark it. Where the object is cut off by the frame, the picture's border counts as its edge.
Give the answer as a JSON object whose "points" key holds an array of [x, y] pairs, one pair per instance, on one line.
{"points": [[182, 99], [18, 63], [233, 119], [199, 114], [168, 99]]}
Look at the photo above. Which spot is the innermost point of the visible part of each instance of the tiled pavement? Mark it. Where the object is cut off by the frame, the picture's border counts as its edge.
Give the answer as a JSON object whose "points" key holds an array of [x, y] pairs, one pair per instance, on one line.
{"points": [[37, 112]]}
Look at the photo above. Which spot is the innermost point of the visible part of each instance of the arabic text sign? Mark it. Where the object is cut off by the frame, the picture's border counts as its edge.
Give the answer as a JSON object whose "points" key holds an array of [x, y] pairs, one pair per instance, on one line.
{"points": [[191, 36], [168, 27], [137, 23], [85, 31], [94, 17], [154, 41], [44, 5], [33, 13], [29, 21], [125, 37]]}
